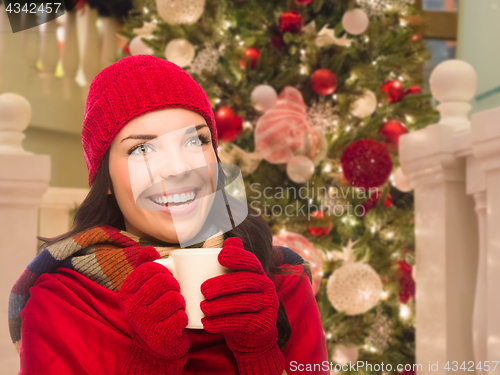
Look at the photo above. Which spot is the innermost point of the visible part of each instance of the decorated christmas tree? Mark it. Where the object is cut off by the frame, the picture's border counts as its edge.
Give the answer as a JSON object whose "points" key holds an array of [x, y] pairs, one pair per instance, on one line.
{"points": [[310, 99]]}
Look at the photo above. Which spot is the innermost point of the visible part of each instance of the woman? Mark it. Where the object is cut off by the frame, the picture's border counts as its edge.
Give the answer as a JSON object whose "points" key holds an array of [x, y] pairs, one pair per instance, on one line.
{"points": [[94, 302]]}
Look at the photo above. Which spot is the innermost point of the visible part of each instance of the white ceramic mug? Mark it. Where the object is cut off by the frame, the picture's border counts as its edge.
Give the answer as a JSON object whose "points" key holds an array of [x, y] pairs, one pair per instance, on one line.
{"points": [[191, 267]]}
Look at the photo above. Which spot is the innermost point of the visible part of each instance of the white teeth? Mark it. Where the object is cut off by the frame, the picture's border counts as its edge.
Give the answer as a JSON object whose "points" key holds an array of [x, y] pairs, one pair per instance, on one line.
{"points": [[176, 198], [158, 200]]}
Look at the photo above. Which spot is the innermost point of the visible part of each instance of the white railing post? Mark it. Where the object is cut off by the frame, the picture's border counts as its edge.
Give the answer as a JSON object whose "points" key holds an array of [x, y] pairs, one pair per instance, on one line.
{"points": [[109, 43], [24, 178], [31, 45], [445, 224], [49, 54], [91, 59], [70, 54], [476, 187], [486, 148]]}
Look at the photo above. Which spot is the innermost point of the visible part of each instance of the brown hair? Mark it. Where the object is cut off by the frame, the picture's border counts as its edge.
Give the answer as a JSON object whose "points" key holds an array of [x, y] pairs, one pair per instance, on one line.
{"points": [[101, 208]]}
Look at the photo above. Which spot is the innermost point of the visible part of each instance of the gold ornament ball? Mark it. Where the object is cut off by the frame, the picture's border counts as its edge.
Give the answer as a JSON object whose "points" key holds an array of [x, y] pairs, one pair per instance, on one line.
{"points": [[365, 105], [355, 21], [343, 354], [180, 52], [138, 47], [180, 11], [354, 288], [300, 169]]}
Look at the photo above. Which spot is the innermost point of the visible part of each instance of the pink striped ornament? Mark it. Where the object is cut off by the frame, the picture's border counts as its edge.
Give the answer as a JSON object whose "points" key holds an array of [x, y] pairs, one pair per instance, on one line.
{"points": [[284, 131]]}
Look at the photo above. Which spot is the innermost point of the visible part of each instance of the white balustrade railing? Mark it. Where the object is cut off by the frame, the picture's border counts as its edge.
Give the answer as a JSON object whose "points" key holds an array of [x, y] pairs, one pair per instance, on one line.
{"points": [[24, 178], [80, 43], [28, 208], [32, 94], [454, 168]]}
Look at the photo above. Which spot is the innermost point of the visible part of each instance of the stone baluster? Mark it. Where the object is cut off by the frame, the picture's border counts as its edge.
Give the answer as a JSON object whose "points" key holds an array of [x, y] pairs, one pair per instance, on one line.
{"points": [[486, 148], [91, 61], [109, 41], [24, 178], [70, 54], [49, 54], [446, 226], [31, 46]]}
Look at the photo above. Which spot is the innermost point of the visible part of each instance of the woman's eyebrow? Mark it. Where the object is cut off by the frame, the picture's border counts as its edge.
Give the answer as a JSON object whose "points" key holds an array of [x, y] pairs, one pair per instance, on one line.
{"points": [[140, 136], [190, 129]]}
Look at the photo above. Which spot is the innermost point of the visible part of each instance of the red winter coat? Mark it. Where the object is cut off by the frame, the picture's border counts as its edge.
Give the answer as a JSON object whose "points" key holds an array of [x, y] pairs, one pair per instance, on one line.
{"points": [[72, 325]]}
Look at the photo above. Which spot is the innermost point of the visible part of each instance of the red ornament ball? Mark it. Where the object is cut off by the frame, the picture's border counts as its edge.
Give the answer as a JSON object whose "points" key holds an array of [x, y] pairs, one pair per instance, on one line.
{"points": [[415, 89], [303, 2], [320, 225], [406, 282], [394, 90], [277, 41], [388, 201], [404, 268], [372, 201], [416, 37], [366, 163], [323, 81], [291, 22], [393, 129], [229, 126], [251, 54], [126, 50], [80, 4]]}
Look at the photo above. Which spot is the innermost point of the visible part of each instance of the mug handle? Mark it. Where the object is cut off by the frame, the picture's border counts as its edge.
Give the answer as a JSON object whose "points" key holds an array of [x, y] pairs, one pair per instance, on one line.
{"points": [[167, 262]]}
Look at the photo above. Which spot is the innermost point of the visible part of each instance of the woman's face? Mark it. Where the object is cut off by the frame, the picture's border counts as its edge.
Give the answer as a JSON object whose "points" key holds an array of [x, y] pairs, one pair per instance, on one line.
{"points": [[159, 164]]}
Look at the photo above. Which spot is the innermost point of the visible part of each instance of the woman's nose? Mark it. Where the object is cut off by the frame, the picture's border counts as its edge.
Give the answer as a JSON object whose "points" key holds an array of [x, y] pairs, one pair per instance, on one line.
{"points": [[175, 165]]}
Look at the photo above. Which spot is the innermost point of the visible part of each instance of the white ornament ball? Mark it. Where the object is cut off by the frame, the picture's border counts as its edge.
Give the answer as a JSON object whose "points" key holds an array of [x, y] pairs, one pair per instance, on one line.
{"points": [[180, 52], [401, 182], [264, 97], [180, 11], [300, 169], [453, 81], [344, 354], [365, 105], [354, 288], [355, 21], [137, 46]]}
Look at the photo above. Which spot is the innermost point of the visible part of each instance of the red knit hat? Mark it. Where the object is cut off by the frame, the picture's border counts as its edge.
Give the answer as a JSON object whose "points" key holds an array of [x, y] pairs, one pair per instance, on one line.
{"points": [[132, 86]]}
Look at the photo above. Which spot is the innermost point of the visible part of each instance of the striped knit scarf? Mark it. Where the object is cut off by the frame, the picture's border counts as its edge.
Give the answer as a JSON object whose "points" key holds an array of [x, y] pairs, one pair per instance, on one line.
{"points": [[104, 254]]}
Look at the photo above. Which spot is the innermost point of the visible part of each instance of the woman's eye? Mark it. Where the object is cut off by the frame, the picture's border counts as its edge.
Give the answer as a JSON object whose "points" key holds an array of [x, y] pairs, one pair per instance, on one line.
{"points": [[142, 149], [195, 141]]}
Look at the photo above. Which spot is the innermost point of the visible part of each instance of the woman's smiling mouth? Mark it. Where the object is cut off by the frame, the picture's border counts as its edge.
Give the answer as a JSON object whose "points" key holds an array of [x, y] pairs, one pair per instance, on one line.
{"points": [[176, 200]]}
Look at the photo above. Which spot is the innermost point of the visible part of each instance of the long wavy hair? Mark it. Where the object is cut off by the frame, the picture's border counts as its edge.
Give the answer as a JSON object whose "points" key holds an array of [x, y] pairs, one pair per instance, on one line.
{"points": [[101, 208]]}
